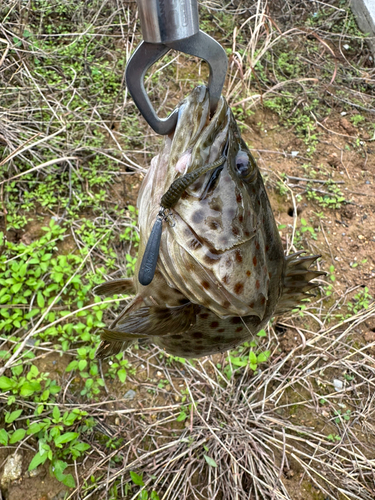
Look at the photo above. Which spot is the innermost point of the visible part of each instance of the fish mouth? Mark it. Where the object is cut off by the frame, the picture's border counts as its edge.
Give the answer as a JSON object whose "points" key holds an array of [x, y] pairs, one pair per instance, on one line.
{"points": [[199, 139]]}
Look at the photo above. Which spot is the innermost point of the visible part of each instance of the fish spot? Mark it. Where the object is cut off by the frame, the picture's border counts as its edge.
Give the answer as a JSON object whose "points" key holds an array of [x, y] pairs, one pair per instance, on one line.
{"points": [[199, 348], [198, 217], [248, 273], [257, 246], [183, 301], [267, 248], [238, 197], [258, 202], [254, 260], [213, 224], [204, 315], [214, 324], [238, 288], [235, 320], [216, 206], [197, 335], [218, 338], [270, 275], [240, 218], [205, 285], [225, 279], [257, 284], [239, 329], [226, 304], [194, 244], [263, 300], [251, 305], [247, 234], [184, 195], [221, 330], [235, 231], [210, 258], [176, 337], [238, 256]]}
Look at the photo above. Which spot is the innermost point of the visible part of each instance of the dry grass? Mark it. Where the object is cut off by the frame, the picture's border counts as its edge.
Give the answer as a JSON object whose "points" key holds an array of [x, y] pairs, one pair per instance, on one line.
{"points": [[248, 425]]}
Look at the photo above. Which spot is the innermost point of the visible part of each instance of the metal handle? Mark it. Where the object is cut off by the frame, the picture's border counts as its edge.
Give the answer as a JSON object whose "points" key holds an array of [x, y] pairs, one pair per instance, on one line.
{"points": [[164, 21], [146, 54]]}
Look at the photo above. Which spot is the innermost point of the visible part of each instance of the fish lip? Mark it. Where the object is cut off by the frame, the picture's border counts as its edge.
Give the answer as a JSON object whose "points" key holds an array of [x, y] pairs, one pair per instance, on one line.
{"points": [[200, 132]]}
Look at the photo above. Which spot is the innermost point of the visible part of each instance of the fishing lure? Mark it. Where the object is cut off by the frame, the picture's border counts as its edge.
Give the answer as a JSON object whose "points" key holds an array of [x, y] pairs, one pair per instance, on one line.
{"points": [[168, 201]]}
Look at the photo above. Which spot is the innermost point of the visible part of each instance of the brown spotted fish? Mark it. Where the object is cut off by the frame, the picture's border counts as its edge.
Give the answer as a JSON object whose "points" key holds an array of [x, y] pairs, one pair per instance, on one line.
{"points": [[221, 273]]}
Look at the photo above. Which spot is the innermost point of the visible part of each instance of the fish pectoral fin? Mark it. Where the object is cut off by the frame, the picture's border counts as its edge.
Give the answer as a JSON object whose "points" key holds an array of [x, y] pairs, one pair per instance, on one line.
{"points": [[113, 287], [154, 322]]}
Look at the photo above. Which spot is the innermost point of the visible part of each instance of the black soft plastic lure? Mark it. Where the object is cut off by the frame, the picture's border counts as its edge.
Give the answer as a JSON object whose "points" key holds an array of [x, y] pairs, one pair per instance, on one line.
{"points": [[168, 201]]}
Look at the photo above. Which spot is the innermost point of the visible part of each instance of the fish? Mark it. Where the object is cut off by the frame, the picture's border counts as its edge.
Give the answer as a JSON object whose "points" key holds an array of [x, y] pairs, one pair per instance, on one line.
{"points": [[221, 273]]}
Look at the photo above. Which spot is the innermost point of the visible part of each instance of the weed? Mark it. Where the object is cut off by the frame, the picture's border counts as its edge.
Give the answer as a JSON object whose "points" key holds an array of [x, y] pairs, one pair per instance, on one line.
{"points": [[333, 199], [357, 119], [245, 356], [359, 302]]}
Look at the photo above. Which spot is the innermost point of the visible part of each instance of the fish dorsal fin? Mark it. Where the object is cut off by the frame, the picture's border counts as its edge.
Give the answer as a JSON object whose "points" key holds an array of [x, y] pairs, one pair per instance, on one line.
{"points": [[297, 281], [113, 287], [153, 321]]}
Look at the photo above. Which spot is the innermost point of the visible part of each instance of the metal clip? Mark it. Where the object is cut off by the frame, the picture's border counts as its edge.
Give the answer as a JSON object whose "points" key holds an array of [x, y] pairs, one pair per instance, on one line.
{"points": [[167, 24]]}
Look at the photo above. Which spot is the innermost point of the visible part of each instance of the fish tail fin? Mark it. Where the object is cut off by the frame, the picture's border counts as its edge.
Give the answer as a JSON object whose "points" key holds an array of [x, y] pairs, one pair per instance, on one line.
{"points": [[297, 281]]}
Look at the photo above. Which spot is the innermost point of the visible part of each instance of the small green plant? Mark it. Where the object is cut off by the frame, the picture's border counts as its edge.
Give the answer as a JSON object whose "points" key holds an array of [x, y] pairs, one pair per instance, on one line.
{"points": [[333, 199], [144, 494], [303, 229], [357, 119], [57, 435], [281, 187], [183, 415], [360, 301], [240, 358], [120, 368], [333, 437], [342, 416]]}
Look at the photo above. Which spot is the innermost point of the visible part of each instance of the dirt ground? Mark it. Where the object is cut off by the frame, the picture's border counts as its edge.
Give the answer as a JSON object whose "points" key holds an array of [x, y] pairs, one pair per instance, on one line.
{"points": [[289, 427]]}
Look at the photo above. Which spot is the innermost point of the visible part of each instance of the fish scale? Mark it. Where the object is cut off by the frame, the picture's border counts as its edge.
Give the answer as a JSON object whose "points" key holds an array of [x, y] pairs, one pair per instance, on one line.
{"points": [[221, 273]]}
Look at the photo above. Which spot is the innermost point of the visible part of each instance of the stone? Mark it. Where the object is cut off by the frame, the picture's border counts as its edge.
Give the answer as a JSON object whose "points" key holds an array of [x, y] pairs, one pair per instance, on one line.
{"points": [[130, 395], [12, 469]]}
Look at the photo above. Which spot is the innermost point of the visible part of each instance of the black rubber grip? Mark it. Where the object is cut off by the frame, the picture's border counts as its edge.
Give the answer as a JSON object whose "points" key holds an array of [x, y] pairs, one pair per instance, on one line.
{"points": [[150, 257]]}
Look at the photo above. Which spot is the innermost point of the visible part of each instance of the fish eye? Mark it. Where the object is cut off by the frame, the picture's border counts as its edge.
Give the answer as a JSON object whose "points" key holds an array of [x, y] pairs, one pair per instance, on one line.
{"points": [[244, 165]]}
